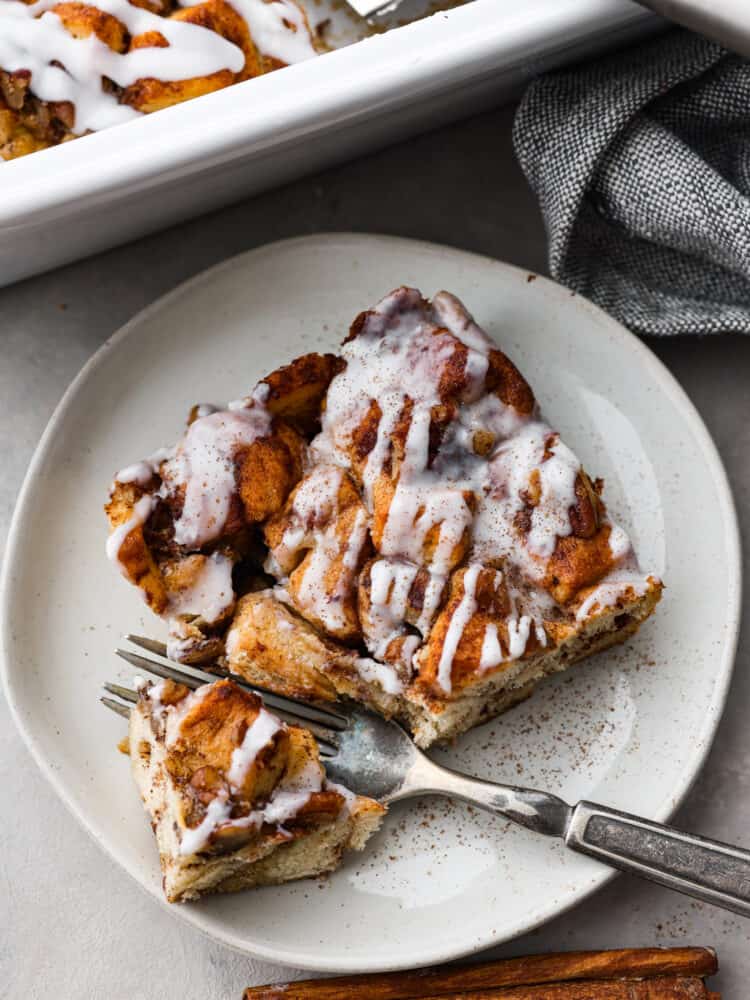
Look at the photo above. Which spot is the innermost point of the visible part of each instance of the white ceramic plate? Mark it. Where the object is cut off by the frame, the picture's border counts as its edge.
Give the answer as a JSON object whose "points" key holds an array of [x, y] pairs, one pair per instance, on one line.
{"points": [[629, 728]]}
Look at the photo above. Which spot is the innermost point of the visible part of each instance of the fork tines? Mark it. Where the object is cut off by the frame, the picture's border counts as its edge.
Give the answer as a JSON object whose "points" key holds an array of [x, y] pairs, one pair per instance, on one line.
{"points": [[314, 713], [323, 723]]}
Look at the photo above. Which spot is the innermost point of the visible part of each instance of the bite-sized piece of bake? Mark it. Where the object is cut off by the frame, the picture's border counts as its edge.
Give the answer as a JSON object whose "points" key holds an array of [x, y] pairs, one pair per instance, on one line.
{"points": [[149, 55], [236, 797], [431, 547]]}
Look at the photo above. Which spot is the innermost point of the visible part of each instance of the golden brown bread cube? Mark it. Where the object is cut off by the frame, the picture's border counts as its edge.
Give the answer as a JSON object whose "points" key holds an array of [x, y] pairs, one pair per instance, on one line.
{"points": [[489, 605], [268, 470], [295, 392], [135, 559], [83, 20], [149, 94], [270, 645], [210, 732], [320, 541]]}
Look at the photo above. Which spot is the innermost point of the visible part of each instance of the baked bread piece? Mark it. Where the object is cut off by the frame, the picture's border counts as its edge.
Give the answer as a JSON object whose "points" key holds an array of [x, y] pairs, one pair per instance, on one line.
{"points": [[400, 527], [236, 797], [186, 522], [147, 55]]}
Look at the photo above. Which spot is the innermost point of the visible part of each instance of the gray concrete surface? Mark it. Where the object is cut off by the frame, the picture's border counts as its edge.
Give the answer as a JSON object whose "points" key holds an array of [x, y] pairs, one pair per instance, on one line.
{"points": [[72, 925]]}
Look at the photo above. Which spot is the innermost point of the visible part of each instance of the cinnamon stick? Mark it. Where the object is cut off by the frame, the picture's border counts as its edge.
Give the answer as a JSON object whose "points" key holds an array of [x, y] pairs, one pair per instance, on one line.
{"points": [[660, 988], [533, 970]]}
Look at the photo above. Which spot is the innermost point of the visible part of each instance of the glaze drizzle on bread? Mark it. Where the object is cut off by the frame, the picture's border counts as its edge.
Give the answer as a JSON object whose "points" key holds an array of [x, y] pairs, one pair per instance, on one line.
{"points": [[404, 528]]}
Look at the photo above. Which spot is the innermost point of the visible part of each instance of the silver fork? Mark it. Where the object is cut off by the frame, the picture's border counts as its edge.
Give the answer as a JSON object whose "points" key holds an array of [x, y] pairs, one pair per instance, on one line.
{"points": [[377, 758]]}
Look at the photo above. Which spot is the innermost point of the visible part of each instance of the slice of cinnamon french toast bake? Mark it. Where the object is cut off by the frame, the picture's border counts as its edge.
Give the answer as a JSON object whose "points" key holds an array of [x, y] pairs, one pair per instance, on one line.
{"points": [[236, 797], [396, 524]]}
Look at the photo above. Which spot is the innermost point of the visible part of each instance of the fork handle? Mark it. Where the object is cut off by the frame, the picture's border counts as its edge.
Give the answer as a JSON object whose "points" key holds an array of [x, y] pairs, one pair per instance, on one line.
{"points": [[706, 869]]}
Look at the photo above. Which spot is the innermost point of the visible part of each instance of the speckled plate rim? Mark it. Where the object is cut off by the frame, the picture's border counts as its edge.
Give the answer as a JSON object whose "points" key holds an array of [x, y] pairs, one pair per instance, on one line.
{"points": [[702, 744]]}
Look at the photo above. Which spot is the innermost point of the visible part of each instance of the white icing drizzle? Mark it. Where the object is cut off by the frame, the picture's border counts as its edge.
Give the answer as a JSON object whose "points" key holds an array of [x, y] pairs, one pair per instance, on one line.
{"points": [[233, 640], [492, 653], [181, 642], [399, 353], [153, 690], [356, 540], [211, 592], [519, 631], [509, 471], [218, 813], [614, 586], [142, 510], [312, 524], [379, 673], [451, 313], [141, 473], [432, 596], [402, 352], [619, 543], [315, 500], [258, 397], [171, 716], [390, 583], [518, 635], [259, 734], [31, 42], [289, 797], [350, 799], [459, 620], [421, 501], [261, 392], [278, 28], [204, 466], [285, 802], [311, 594], [32, 38]]}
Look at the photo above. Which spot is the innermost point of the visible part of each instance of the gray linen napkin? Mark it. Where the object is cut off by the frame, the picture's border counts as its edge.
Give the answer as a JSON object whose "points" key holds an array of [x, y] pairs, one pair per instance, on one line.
{"points": [[641, 162]]}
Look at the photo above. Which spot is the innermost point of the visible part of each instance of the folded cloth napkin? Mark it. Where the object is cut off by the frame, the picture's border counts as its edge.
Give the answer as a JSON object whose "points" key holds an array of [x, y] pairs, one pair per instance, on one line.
{"points": [[641, 162]]}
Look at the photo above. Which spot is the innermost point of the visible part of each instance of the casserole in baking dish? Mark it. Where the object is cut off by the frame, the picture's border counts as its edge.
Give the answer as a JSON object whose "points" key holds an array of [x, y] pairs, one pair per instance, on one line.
{"points": [[121, 182], [70, 67]]}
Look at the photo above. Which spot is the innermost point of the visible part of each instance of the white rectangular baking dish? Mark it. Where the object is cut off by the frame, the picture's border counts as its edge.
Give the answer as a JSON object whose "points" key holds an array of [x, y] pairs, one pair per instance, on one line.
{"points": [[104, 189]]}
